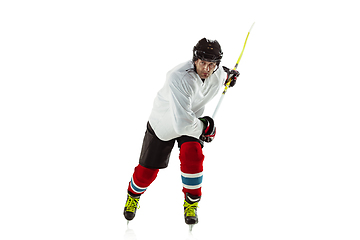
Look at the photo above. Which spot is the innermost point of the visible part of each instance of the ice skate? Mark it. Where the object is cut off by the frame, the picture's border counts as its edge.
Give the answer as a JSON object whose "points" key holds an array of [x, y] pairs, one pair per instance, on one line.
{"points": [[190, 210], [132, 204]]}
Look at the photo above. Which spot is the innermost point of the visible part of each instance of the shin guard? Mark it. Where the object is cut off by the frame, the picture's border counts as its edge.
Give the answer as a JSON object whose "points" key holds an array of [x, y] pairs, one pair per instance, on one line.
{"points": [[191, 159]]}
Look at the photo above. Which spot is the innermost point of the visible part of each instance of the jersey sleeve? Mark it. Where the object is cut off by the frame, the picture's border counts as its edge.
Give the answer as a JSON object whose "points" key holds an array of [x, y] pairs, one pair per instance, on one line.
{"points": [[184, 119], [200, 112]]}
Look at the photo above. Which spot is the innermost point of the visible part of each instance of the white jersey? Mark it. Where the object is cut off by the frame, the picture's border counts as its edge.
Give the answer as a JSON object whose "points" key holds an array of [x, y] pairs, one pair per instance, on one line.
{"points": [[182, 100]]}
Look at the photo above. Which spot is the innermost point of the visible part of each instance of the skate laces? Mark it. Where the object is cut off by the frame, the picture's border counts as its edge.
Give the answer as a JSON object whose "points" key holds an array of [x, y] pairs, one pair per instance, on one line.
{"points": [[190, 209], [132, 204]]}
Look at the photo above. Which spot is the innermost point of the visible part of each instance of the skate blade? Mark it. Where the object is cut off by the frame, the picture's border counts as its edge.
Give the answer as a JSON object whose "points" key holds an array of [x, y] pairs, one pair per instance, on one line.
{"points": [[191, 227]]}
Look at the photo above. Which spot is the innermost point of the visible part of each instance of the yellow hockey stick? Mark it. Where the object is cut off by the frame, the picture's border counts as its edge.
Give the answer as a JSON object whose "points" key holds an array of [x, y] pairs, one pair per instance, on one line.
{"points": [[228, 83]]}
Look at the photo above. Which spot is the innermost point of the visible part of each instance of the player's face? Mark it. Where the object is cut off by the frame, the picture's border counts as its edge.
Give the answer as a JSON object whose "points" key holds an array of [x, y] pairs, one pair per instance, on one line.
{"points": [[204, 69]]}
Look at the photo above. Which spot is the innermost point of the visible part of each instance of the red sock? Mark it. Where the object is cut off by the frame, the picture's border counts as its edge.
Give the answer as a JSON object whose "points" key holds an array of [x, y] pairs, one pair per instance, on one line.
{"points": [[191, 158], [141, 179]]}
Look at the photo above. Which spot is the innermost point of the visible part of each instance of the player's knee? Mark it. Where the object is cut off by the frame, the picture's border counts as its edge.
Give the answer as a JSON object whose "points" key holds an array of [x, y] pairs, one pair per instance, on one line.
{"points": [[146, 173], [191, 151]]}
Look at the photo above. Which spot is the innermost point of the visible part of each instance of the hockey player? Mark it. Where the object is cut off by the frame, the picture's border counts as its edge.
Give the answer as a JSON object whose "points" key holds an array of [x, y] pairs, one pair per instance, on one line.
{"points": [[176, 116]]}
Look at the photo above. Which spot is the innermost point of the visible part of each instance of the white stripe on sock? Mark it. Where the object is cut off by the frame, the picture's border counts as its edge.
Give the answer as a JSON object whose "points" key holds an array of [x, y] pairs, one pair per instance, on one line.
{"points": [[192, 187], [191, 175]]}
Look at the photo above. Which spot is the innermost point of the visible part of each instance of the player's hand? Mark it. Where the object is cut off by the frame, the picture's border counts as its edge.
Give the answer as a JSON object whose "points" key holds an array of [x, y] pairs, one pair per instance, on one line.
{"points": [[231, 74], [209, 129]]}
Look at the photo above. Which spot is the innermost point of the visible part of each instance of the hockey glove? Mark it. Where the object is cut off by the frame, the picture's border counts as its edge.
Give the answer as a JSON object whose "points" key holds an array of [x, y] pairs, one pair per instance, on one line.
{"points": [[231, 74], [209, 129]]}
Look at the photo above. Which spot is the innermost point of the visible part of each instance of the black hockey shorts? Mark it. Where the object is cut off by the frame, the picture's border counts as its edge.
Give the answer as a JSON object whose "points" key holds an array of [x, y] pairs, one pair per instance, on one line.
{"points": [[155, 153]]}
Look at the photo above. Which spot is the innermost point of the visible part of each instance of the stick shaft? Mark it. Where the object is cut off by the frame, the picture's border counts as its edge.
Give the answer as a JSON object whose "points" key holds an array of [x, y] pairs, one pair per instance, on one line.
{"points": [[218, 105]]}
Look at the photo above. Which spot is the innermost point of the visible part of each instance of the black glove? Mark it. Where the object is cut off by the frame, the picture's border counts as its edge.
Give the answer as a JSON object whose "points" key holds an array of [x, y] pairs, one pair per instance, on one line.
{"points": [[209, 129], [231, 74]]}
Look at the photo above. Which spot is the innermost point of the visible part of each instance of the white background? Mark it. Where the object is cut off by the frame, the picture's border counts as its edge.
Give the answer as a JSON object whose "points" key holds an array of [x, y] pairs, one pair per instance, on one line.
{"points": [[77, 83]]}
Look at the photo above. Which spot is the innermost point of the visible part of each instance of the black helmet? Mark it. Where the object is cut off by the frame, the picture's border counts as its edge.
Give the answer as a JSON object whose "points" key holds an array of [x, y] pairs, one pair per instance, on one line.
{"points": [[207, 50]]}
